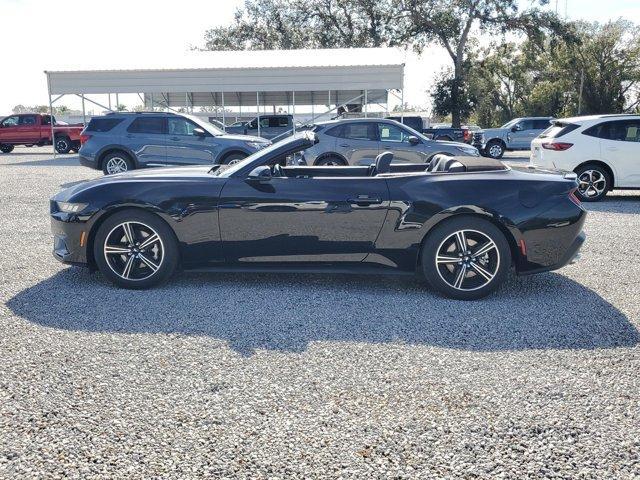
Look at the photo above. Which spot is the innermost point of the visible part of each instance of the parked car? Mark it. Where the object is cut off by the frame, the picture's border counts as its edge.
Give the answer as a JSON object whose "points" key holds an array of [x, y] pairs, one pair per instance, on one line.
{"points": [[516, 134], [270, 126], [122, 141], [358, 141], [217, 123], [35, 129], [603, 150], [436, 132], [462, 222]]}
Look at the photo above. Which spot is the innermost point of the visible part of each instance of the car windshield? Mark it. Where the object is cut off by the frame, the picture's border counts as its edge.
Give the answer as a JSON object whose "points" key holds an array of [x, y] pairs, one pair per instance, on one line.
{"points": [[510, 123], [206, 126], [228, 170]]}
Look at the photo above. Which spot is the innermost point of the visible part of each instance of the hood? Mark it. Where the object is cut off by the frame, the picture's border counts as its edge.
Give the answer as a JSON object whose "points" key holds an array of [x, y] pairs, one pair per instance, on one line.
{"points": [[243, 138], [167, 174], [493, 131]]}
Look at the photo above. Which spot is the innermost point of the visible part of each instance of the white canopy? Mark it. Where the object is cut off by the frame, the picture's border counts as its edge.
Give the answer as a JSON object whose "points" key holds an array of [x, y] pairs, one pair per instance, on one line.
{"points": [[331, 76]]}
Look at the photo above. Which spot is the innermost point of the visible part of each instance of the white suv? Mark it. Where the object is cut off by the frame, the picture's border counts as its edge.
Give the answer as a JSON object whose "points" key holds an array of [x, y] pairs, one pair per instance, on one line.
{"points": [[603, 150]]}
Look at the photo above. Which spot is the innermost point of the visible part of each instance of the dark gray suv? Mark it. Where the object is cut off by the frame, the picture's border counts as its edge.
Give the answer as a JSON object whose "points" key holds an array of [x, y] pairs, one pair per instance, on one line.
{"points": [[118, 142], [358, 141]]}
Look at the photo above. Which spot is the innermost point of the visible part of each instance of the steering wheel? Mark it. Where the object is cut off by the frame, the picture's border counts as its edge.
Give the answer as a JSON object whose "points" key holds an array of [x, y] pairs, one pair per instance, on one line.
{"points": [[277, 170]]}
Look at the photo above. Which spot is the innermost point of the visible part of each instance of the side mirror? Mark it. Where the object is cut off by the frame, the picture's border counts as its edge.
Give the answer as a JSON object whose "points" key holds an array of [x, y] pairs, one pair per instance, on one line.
{"points": [[199, 132], [260, 174], [413, 140], [516, 128]]}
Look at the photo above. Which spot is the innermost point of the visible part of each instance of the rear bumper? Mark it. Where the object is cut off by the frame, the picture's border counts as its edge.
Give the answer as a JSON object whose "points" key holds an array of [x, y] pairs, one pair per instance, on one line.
{"points": [[571, 255], [88, 161]]}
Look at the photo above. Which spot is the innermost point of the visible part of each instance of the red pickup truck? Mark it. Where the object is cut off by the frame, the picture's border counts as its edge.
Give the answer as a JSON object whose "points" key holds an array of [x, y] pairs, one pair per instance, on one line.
{"points": [[35, 129]]}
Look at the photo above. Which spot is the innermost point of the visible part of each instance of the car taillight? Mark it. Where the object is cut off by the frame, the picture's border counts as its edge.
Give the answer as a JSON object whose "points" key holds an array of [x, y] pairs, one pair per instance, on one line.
{"points": [[466, 135], [557, 146], [84, 139], [573, 197]]}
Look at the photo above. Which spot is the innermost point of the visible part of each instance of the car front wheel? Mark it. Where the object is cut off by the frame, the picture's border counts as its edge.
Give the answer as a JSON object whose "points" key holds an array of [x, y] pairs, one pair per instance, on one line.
{"points": [[593, 183], [135, 249], [494, 149], [466, 258]]}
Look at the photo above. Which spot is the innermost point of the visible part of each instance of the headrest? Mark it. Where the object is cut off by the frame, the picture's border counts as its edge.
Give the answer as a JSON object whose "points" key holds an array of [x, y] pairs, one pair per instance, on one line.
{"points": [[383, 162]]}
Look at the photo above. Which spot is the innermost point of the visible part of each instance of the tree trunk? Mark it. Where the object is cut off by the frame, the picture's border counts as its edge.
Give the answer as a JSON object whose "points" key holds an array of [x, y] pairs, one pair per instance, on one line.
{"points": [[455, 95]]}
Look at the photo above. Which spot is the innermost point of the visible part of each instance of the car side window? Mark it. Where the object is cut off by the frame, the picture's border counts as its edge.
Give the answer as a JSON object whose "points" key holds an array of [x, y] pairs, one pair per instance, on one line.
{"points": [[618, 131], [46, 120], [180, 126], [392, 133], [359, 131], [27, 120], [153, 125], [526, 125], [278, 121], [10, 121], [541, 124]]}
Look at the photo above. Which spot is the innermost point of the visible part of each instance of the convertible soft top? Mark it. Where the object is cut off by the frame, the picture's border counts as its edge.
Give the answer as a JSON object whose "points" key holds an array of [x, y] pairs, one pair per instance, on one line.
{"points": [[484, 164]]}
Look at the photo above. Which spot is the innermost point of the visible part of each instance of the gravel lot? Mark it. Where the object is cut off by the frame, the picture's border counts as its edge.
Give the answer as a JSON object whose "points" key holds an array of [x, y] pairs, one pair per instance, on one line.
{"points": [[312, 376]]}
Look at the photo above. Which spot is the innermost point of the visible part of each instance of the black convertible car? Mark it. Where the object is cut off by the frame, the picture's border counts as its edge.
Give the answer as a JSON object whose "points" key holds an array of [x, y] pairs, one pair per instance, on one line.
{"points": [[462, 222]]}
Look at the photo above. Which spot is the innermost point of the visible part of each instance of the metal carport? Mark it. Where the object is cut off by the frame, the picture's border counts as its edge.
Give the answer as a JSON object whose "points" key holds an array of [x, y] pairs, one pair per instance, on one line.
{"points": [[331, 77]]}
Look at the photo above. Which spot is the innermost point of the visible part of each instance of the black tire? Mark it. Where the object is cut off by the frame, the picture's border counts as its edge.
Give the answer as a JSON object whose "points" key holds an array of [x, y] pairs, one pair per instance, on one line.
{"points": [[117, 162], [494, 149], [5, 148], [63, 144], [331, 160], [234, 158], [458, 275], [162, 254], [594, 182]]}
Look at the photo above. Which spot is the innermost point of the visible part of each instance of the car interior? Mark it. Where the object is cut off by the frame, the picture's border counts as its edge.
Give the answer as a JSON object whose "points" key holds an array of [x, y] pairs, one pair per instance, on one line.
{"points": [[383, 165]]}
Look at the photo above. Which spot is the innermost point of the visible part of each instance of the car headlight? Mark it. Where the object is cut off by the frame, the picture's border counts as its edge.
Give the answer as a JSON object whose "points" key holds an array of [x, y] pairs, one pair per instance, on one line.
{"points": [[471, 151], [256, 145], [71, 207]]}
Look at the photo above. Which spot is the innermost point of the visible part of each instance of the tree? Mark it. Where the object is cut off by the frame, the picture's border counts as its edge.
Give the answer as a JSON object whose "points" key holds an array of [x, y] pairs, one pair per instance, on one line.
{"points": [[280, 24], [121, 107]]}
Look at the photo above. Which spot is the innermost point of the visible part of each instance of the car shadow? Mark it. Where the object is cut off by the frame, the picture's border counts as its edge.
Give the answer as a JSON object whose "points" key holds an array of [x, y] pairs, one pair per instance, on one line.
{"points": [[287, 312], [61, 161], [616, 203]]}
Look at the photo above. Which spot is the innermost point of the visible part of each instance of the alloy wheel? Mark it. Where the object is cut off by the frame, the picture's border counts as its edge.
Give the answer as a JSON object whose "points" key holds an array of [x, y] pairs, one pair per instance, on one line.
{"points": [[62, 145], [133, 251], [116, 165], [495, 151], [467, 260], [592, 183]]}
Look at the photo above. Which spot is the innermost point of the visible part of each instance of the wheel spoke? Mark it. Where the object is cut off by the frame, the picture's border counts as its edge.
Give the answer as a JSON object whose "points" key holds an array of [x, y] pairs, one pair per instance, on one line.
{"points": [[461, 240], [113, 250], [150, 240], [128, 233], [149, 263], [487, 275], [487, 247], [127, 267], [462, 273], [446, 259]]}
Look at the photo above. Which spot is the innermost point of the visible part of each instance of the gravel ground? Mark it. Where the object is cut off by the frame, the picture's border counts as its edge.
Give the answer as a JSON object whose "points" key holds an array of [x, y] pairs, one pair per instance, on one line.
{"points": [[312, 376]]}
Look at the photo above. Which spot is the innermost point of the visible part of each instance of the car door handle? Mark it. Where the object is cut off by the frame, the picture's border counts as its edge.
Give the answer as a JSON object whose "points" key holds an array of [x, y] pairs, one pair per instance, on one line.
{"points": [[364, 200]]}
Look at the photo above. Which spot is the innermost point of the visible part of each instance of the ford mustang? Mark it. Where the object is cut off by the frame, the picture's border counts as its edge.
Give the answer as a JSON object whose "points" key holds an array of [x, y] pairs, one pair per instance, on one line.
{"points": [[462, 223]]}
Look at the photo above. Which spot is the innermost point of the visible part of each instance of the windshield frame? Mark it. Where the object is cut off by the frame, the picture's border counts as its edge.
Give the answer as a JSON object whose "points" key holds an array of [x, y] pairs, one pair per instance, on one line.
{"points": [[206, 126]]}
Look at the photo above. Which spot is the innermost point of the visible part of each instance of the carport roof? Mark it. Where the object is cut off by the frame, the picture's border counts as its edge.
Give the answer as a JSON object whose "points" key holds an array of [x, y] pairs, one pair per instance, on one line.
{"points": [[235, 73]]}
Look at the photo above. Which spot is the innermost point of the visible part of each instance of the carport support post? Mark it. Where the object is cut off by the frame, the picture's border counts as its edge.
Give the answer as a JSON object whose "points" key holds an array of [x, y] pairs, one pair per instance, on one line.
{"points": [[366, 109], [223, 115], [84, 114], [258, 108], [53, 143], [117, 102], [293, 118]]}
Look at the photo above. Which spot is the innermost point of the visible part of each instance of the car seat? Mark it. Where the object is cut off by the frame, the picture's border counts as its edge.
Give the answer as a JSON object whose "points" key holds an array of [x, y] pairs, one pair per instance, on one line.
{"points": [[382, 164]]}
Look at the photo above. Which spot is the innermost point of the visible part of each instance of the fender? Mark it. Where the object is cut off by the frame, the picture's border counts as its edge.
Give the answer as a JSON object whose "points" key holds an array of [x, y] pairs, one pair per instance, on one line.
{"points": [[115, 146]]}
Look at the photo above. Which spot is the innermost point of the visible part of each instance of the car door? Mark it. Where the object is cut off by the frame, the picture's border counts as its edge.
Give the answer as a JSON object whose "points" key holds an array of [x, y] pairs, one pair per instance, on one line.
{"points": [[521, 135], [358, 142], [620, 148], [28, 130], [186, 147], [146, 137], [395, 139], [9, 129], [284, 219]]}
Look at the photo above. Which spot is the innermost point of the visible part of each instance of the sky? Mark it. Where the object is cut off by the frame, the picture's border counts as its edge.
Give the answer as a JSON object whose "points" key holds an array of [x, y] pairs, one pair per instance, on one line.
{"points": [[41, 34]]}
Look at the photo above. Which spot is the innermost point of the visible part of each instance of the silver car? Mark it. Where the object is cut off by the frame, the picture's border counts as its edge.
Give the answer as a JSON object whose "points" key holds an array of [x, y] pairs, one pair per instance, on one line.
{"points": [[358, 142]]}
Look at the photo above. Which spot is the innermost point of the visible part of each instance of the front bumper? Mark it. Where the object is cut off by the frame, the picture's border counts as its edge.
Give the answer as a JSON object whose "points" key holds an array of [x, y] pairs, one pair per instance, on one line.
{"points": [[70, 238]]}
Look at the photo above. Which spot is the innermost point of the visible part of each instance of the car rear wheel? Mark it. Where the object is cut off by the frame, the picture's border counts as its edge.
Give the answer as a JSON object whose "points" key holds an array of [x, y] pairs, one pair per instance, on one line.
{"points": [[135, 249], [234, 158], [63, 145], [466, 258], [331, 160], [494, 149], [4, 148], [116, 162], [593, 183]]}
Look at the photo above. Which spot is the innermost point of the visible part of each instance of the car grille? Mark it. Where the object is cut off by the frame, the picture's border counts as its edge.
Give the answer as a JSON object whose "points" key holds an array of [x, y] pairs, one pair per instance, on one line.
{"points": [[477, 137]]}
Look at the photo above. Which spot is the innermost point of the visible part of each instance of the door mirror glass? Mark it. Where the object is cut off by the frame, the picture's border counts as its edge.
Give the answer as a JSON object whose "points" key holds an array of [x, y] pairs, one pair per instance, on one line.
{"points": [[260, 174], [413, 140], [199, 132]]}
